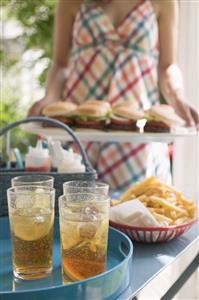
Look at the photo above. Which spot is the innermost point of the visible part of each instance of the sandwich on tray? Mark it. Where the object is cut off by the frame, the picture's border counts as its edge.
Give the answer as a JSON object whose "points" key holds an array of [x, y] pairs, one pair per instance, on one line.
{"points": [[93, 114], [125, 116], [162, 118], [61, 111]]}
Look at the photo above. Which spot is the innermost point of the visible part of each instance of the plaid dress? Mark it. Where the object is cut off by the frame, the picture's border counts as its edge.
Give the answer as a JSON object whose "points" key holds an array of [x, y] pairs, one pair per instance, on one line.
{"points": [[117, 64]]}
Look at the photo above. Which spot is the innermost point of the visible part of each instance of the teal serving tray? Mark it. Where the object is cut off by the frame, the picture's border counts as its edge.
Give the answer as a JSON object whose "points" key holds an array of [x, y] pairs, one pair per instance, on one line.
{"points": [[106, 286]]}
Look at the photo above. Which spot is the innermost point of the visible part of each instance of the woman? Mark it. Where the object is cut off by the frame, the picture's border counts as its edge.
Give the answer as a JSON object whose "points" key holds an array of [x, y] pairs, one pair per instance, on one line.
{"points": [[118, 50]]}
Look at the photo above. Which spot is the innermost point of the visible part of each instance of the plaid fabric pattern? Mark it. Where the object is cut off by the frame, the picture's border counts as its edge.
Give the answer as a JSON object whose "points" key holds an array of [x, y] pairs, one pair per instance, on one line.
{"points": [[117, 64]]}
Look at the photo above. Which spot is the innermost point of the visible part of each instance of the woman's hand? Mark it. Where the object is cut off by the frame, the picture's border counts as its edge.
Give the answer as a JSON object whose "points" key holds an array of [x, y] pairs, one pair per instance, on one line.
{"points": [[172, 89], [186, 112], [170, 77], [36, 108], [54, 87]]}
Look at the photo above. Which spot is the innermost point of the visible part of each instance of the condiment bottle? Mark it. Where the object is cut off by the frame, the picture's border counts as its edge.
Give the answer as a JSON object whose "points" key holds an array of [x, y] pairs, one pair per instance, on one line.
{"points": [[37, 159]]}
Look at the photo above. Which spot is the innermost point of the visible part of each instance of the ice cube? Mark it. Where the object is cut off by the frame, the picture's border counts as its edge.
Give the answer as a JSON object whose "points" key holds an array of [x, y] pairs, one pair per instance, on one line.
{"points": [[69, 233], [87, 230], [41, 199], [90, 213], [24, 201], [102, 229], [38, 219]]}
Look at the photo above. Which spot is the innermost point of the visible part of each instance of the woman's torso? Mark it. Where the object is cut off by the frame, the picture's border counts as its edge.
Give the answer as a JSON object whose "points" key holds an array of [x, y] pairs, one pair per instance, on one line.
{"points": [[118, 62], [115, 62]]}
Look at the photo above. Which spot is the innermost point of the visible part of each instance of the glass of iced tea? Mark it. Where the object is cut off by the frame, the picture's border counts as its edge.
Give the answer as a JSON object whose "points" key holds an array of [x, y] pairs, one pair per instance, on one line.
{"points": [[31, 216], [35, 179], [80, 186], [84, 221]]}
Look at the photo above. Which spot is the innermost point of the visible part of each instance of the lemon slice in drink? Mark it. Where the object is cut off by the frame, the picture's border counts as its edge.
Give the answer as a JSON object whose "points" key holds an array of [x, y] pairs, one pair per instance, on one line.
{"points": [[30, 228], [78, 269], [71, 272]]}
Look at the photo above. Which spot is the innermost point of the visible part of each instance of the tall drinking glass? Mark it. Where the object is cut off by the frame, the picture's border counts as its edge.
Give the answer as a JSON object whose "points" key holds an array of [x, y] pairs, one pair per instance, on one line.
{"points": [[35, 179], [31, 216], [79, 186], [84, 221]]}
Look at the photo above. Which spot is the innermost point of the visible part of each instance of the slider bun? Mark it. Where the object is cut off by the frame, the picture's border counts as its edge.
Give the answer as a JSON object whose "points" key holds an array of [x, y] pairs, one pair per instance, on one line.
{"points": [[166, 114], [59, 108], [91, 111], [98, 103], [128, 110], [94, 108], [161, 109]]}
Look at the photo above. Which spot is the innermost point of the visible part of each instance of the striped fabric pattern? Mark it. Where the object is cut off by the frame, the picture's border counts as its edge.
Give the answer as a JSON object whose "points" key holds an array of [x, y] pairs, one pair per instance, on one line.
{"points": [[118, 63]]}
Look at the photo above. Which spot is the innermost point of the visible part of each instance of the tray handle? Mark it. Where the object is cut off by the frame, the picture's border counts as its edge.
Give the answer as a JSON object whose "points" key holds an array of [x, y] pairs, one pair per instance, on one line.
{"points": [[123, 244], [123, 248], [59, 124]]}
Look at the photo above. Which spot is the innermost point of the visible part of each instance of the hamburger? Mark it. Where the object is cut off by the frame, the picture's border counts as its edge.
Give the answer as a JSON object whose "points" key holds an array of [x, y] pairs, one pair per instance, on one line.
{"points": [[93, 114], [161, 118], [125, 117], [61, 111]]}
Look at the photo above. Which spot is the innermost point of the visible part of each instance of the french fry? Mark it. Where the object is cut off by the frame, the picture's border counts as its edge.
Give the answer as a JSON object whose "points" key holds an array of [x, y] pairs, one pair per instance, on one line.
{"points": [[162, 218], [142, 198], [132, 197], [177, 215], [171, 189], [163, 201], [157, 210], [170, 199], [154, 204], [138, 188], [167, 204], [186, 201], [181, 221], [173, 214], [115, 202]]}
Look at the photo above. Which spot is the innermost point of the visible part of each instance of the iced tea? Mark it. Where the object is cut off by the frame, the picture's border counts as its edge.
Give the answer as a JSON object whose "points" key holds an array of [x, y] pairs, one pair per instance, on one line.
{"points": [[84, 234], [31, 224]]}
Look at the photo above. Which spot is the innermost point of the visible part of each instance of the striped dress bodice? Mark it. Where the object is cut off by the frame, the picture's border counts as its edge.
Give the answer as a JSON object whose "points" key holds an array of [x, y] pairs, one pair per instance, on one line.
{"points": [[118, 63]]}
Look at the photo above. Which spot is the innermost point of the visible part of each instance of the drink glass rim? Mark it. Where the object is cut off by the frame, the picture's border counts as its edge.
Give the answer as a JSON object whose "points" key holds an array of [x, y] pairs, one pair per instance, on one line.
{"points": [[98, 184], [62, 198], [25, 189], [45, 179]]}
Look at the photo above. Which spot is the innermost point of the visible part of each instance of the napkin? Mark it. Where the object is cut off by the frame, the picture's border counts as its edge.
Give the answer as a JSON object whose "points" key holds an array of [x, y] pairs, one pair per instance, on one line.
{"points": [[133, 213]]}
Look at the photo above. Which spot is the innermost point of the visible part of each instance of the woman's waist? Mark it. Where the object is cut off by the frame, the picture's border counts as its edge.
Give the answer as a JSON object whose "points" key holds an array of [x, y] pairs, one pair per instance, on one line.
{"points": [[111, 55], [114, 46]]}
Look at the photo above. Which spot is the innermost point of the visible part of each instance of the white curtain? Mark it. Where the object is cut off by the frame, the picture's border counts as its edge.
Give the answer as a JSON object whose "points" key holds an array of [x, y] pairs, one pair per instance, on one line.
{"points": [[186, 159]]}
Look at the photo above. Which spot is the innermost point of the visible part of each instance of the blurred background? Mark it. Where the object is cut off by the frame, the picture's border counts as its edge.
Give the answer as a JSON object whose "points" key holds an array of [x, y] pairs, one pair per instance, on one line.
{"points": [[25, 54]]}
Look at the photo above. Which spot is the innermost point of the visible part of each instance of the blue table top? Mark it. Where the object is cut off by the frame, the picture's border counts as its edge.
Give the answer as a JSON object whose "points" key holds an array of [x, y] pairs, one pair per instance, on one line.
{"points": [[150, 259]]}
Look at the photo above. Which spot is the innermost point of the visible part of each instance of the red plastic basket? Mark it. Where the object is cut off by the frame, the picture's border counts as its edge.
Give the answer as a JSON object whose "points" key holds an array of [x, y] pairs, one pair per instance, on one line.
{"points": [[153, 234]]}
